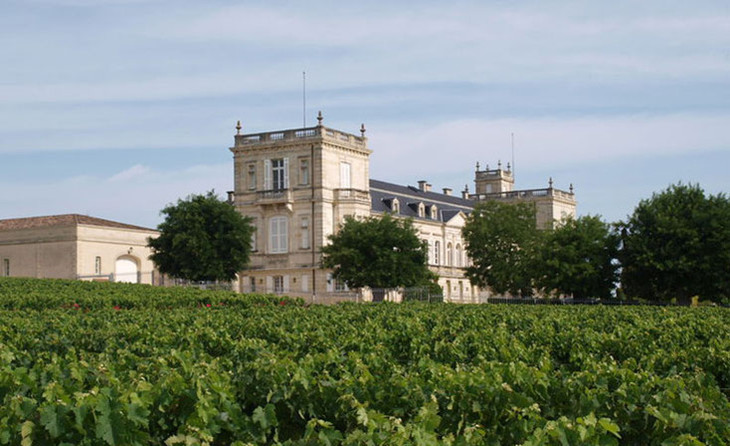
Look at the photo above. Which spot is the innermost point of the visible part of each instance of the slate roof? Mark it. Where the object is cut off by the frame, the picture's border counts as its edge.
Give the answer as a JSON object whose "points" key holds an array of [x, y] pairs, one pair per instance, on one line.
{"points": [[448, 206], [63, 220]]}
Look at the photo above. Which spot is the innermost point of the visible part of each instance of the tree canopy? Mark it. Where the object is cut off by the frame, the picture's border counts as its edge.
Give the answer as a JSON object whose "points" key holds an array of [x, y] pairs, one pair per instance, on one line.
{"points": [[502, 241], [676, 245], [379, 252], [578, 258], [202, 239]]}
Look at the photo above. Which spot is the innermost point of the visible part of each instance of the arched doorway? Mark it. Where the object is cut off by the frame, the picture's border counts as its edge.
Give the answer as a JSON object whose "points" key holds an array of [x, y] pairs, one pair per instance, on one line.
{"points": [[126, 270]]}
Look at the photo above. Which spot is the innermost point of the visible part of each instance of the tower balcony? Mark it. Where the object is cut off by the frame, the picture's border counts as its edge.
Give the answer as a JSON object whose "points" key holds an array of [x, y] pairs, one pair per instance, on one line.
{"points": [[278, 196], [352, 195]]}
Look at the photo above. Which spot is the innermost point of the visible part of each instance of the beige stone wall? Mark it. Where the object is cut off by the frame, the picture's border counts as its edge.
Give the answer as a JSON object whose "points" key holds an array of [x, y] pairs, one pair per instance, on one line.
{"points": [[39, 252], [110, 244], [67, 252]]}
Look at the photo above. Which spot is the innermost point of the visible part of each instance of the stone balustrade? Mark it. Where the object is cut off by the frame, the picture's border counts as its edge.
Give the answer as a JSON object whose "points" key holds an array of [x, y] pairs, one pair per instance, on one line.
{"points": [[524, 194], [319, 132]]}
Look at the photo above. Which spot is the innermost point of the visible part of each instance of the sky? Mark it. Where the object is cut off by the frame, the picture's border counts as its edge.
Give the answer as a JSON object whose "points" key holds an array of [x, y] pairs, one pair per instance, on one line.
{"points": [[116, 108]]}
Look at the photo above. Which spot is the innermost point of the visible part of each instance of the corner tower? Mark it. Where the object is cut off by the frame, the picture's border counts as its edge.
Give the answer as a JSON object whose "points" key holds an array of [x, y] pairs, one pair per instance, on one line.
{"points": [[297, 185], [493, 181]]}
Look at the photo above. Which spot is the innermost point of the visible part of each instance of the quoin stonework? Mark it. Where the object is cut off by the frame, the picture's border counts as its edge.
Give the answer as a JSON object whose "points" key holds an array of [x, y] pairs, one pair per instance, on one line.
{"points": [[298, 185]]}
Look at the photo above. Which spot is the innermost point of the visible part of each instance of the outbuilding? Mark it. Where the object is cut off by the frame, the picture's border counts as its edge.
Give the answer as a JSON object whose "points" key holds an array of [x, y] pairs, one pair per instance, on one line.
{"points": [[73, 246]]}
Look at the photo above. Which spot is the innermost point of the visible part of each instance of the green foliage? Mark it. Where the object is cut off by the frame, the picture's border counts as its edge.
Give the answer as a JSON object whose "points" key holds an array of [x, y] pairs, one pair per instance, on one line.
{"points": [[379, 252], [578, 259], [677, 245], [202, 239], [262, 373], [502, 241]]}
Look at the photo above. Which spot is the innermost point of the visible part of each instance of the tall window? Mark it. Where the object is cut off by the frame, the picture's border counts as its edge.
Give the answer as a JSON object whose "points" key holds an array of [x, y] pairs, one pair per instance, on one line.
{"points": [[278, 284], [305, 232], [437, 253], [252, 284], [252, 176], [458, 256], [276, 174], [345, 176], [97, 265], [6, 267], [304, 171], [449, 255], [278, 235]]}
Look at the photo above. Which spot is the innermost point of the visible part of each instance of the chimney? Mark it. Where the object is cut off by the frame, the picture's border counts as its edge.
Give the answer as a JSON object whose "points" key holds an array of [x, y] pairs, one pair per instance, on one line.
{"points": [[424, 186], [465, 192], [447, 191]]}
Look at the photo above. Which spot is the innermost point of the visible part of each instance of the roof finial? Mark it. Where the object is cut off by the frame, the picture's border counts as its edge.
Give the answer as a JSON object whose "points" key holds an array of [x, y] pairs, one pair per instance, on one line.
{"points": [[319, 118], [362, 130], [499, 164], [466, 188], [477, 166], [509, 168], [550, 182], [238, 128], [571, 188]]}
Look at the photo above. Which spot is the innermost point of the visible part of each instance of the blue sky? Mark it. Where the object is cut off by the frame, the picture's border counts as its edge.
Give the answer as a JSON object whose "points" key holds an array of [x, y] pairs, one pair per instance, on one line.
{"points": [[116, 108]]}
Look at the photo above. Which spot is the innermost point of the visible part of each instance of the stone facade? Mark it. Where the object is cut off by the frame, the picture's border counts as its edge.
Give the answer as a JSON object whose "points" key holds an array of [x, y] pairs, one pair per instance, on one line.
{"points": [[73, 246], [299, 184]]}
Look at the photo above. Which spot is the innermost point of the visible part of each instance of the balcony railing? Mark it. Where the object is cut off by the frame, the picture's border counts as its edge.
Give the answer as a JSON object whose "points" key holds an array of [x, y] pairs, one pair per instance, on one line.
{"points": [[274, 196], [351, 195]]}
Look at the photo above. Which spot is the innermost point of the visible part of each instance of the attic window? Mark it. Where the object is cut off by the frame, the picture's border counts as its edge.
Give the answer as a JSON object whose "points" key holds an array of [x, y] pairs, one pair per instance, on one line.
{"points": [[395, 206], [421, 210], [434, 212]]}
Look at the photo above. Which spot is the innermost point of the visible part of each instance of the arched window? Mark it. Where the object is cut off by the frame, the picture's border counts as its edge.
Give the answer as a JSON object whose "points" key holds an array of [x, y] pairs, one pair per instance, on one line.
{"points": [[458, 256], [449, 255], [436, 252], [395, 207], [434, 212], [421, 210]]}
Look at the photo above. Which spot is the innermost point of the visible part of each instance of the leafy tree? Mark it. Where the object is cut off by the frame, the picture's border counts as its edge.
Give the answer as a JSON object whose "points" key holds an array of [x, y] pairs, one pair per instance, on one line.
{"points": [[578, 258], [676, 245], [202, 239], [379, 252], [502, 241]]}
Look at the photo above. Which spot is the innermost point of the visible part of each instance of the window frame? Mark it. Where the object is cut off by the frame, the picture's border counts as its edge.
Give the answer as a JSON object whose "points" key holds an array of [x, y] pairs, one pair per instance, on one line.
{"points": [[278, 235]]}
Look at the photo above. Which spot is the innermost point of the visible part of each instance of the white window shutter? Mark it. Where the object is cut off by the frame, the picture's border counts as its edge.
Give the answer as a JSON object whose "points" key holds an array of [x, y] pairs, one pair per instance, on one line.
{"points": [[345, 176], [305, 283], [286, 173], [267, 174], [286, 284], [284, 233], [269, 284], [330, 283]]}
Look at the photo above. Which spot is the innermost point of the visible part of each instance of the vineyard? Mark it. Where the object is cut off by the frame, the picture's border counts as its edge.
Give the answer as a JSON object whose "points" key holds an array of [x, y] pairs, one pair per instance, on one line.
{"points": [[115, 364]]}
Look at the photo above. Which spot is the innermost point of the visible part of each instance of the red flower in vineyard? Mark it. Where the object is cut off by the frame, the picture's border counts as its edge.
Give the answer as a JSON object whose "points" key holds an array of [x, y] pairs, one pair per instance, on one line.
{"points": [[283, 302], [117, 307]]}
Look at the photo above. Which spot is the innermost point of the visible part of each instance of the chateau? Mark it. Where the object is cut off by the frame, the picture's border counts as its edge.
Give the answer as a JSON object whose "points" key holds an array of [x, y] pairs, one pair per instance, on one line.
{"points": [[298, 185]]}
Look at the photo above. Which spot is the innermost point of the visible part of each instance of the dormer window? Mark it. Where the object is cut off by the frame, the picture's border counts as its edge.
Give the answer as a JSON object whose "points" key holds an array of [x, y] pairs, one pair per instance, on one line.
{"points": [[421, 210], [434, 212], [395, 206]]}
